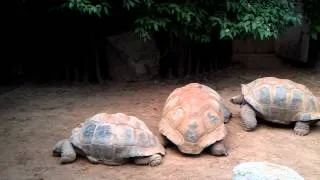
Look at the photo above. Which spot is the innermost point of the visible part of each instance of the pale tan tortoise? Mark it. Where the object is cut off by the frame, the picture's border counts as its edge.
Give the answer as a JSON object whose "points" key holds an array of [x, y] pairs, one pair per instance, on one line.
{"points": [[112, 139], [279, 101], [193, 119]]}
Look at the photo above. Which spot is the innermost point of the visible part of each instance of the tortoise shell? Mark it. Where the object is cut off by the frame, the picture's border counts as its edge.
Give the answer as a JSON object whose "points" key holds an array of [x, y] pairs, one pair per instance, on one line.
{"points": [[110, 137], [192, 118], [281, 100]]}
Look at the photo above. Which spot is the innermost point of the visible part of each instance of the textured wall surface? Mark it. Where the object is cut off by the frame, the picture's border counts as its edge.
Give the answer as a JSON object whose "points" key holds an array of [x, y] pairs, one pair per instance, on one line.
{"points": [[132, 59]]}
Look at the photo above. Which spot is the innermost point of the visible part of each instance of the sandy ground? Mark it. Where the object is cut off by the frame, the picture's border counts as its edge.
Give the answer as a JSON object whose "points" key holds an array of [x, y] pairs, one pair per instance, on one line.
{"points": [[34, 118]]}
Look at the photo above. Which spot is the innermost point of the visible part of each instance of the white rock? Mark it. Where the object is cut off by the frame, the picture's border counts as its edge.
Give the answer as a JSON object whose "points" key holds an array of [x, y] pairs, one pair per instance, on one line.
{"points": [[264, 171]]}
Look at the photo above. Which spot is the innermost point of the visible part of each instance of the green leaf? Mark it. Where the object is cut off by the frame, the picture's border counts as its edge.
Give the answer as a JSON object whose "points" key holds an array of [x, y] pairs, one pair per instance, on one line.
{"points": [[234, 32], [246, 28], [71, 5], [314, 36], [85, 1], [247, 17], [261, 35], [156, 27], [106, 10], [254, 25], [188, 18], [275, 35], [228, 5], [222, 34], [229, 35]]}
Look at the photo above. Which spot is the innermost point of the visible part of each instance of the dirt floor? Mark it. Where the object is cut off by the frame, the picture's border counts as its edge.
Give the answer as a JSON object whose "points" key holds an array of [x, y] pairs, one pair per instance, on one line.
{"points": [[34, 118]]}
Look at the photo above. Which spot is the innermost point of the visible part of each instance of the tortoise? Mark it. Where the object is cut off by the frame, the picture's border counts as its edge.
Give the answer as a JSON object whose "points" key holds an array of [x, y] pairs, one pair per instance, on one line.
{"points": [[112, 139], [277, 100], [193, 119]]}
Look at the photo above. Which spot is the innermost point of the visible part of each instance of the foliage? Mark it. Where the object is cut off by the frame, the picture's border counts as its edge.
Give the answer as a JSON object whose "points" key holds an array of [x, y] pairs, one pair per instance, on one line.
{"points": [[262, 18], [202, 20], [311, 8], [199, 19], [90, 7]]}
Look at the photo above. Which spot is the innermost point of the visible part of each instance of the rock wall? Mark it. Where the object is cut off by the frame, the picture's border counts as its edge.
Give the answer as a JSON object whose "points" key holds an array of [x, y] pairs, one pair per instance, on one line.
{"points": [[131, 59]]}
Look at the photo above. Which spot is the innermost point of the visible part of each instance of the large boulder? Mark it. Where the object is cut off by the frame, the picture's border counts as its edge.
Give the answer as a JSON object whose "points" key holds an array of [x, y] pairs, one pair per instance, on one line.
{"points": [[131, 59], [264, 171]]}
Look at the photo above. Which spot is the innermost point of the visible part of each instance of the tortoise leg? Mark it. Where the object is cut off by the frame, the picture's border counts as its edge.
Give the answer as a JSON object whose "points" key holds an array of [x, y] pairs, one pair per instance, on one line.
{"points": [[219, 149], [92, 160], [226, 113], [239, 99], [248, 117], [153, 160], [301, 128], [57, 148], [64, 149]]}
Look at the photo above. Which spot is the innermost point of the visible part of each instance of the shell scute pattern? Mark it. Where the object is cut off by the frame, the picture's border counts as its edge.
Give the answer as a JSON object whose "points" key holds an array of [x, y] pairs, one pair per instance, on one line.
{"points": [[297, 97], [103, 134], [87, 133], [263, 95], [280, 96], [192, 118], [281, 99], [115, 136]]}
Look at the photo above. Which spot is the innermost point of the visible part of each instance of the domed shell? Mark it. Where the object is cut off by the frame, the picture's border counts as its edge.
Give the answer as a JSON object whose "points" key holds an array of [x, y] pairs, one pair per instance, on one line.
{"points": [[115, 136], [281, 100], [192, 118]]}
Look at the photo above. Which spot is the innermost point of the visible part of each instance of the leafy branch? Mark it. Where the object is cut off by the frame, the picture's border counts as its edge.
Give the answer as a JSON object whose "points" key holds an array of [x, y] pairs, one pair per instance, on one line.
{"points": [[200, 20]]}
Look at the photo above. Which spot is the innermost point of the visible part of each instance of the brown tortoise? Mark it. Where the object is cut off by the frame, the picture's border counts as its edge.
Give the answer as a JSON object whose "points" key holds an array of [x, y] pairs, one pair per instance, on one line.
{"points": [[193, 118], [280, 101], [112, 139]]}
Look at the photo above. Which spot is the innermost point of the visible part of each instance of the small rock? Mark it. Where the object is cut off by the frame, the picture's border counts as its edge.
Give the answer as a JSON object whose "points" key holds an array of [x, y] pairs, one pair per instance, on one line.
{"points": [[264, 171]]}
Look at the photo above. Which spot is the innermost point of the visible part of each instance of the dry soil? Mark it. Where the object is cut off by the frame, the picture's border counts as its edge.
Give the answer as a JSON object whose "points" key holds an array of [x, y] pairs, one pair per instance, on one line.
{"points": [[33, 118]]}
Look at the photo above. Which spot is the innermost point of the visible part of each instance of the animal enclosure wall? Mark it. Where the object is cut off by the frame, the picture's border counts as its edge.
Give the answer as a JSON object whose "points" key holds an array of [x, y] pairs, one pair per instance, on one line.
{"points": [[255, 53], [292, 44]]}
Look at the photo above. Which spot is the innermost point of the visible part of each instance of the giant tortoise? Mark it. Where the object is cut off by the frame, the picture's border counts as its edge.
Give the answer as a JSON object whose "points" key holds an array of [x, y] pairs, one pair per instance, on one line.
{"points": [[112, 139], [277, 100], [193, 119]]}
